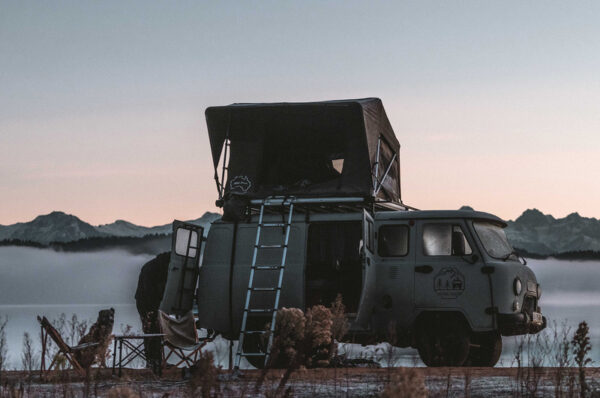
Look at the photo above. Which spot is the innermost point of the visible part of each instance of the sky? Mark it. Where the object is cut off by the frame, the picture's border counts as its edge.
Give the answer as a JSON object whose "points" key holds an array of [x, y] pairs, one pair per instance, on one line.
{"points": [[495, 103]]}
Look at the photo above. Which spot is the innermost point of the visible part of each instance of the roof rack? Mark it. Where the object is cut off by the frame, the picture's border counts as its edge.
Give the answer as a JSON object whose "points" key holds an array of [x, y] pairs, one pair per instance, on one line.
{"points": [[328, 204]]}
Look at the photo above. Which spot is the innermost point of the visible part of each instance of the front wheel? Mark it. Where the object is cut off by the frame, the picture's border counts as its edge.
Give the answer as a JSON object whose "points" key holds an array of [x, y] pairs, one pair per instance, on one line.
{"points": [[443, 341], [485, 349]]}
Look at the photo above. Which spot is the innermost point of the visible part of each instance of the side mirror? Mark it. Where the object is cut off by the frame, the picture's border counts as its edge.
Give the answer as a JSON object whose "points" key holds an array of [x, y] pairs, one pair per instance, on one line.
{"points": [[472, 259], [458, 243]]}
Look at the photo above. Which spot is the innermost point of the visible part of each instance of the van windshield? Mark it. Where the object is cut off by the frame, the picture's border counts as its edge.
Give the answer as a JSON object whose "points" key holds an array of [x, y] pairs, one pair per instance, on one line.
{"points": [[493, 238]]}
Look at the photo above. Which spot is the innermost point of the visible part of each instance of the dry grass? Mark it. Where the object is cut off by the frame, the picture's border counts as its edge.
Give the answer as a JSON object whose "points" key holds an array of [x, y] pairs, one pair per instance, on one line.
{"points": [[204, 380], [406, 383], [122, 392], [3, 348]]}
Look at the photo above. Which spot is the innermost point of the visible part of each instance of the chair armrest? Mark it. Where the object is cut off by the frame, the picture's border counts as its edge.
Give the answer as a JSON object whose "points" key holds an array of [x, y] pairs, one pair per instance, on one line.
{"points": [[84, 346]]}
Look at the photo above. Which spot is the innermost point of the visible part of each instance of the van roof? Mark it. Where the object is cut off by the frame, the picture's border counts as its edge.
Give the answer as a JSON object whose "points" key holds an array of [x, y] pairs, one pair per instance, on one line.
{"points": [[438, 214]]}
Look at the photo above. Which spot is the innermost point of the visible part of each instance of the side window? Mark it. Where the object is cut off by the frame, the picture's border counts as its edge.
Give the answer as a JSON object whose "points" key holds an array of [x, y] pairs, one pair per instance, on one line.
{"points": [[444, 240], [182, 239], [393, 241]]}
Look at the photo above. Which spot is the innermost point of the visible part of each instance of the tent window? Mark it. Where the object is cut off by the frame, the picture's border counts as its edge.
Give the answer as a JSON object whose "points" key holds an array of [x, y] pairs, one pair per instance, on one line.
{"points": [[338, 165]]}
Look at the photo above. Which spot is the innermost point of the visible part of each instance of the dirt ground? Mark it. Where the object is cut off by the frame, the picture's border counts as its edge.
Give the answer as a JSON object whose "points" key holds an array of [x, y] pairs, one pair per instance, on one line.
{"points": [[340, 382]]}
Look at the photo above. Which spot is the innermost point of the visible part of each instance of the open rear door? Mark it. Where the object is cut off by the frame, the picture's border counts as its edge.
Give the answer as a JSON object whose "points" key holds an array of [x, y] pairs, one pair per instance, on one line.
{"points": [[178, 298], [367, 299]]}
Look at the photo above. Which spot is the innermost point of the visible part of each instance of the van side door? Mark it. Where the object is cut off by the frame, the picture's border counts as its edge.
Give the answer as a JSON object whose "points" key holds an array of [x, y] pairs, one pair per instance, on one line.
{"points": [[442, 271], [182, 277], [395, 267], [367, 297]]}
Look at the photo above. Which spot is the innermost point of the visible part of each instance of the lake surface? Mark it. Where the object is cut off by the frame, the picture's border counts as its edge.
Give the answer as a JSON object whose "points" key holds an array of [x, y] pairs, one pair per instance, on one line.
{"points": [[44, 282]]}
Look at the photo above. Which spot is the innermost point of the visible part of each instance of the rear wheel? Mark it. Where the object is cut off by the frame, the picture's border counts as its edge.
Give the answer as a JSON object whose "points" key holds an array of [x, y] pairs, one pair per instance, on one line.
{"points": [[443, 341], [485, 349]]}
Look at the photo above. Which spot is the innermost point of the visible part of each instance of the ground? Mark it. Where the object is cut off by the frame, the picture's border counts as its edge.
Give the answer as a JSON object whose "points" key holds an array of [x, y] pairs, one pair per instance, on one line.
{"points": [[341, 382]]}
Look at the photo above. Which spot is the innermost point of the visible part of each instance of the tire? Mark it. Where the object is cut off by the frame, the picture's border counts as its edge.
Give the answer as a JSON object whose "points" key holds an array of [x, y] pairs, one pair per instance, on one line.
{"points": [[485, 349], [443, 340]]}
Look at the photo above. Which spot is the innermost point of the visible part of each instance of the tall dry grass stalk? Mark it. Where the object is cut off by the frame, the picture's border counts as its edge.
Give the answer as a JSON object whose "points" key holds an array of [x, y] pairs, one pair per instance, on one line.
{"points": [[204, 380], [29, 356], [3, 345]]}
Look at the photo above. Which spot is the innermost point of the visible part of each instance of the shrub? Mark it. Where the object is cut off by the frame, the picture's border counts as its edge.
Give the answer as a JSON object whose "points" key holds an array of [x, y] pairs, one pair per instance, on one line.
{"points": [[319, 321], [204, 376], [289, 337], [581, 348]]}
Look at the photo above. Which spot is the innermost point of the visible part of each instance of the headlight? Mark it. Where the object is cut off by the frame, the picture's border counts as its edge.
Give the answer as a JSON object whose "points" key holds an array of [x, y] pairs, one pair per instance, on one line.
{"points": [[517, 286], [539, 291]]}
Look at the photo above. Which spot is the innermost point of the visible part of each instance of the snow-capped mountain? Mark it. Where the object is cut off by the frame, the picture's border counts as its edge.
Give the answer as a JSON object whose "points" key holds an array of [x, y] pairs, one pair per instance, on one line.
{"points": [[60, 227]]}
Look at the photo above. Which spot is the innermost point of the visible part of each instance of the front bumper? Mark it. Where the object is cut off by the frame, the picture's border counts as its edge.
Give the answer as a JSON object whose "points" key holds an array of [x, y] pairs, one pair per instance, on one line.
{"points": [[521, 323]]}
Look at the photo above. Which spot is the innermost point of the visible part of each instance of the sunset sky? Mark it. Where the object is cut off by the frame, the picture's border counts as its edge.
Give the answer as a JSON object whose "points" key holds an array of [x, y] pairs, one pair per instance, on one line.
{"points": [[495, 104]]}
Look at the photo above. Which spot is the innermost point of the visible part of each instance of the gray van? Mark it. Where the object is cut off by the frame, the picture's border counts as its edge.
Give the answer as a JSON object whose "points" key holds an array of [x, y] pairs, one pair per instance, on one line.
{"points": [[312, 210]]}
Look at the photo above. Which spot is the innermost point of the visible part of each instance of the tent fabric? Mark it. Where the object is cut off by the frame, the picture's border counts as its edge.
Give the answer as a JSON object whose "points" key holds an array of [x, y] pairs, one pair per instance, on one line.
{"points": [[306, 149]]}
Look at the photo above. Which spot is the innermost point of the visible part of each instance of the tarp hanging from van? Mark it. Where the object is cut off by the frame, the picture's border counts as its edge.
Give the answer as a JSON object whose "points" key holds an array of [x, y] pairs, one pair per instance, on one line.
{"points": [[307, 149]]}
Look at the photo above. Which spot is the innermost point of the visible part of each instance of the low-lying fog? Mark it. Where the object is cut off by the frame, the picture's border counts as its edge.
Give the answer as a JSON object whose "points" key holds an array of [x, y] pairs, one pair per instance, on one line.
{"points": [[44, 282]]}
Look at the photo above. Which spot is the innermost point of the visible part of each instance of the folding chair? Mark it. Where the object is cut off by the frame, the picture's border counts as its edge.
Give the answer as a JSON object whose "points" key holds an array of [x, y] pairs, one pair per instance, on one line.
{"points": [[180, 340], [63, 348]]}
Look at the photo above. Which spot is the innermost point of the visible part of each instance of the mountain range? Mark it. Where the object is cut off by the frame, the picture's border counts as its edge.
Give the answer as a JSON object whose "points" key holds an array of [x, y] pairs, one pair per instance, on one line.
{"points": [[533, 233], [536, 232], [61, 227]]}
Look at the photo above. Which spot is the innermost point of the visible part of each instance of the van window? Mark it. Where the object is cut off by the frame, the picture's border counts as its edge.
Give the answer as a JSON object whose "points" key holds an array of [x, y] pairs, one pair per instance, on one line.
{"points": [[393, 240], [438, 240]]}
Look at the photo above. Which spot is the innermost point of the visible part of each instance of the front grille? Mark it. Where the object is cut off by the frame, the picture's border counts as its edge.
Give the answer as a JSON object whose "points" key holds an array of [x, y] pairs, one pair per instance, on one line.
{"points": [[529, 305]]}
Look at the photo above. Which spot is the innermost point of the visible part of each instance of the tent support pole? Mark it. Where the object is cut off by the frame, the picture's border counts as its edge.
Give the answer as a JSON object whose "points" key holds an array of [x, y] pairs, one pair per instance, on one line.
{"points": [[385, 175], [377, 163]]}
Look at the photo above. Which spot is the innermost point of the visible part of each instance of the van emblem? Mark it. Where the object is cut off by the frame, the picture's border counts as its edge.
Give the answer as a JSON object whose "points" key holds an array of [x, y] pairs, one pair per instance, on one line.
{"points": [[239, 184], [449, 283]]}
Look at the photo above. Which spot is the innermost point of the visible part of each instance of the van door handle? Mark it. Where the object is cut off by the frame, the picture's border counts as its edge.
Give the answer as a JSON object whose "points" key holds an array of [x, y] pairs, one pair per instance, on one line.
{"points": [[424, 269]]}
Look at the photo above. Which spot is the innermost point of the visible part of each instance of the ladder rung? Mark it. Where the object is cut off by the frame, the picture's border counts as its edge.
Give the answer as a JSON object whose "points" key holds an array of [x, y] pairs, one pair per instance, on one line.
{"points": [[253, 354], [270, 246], [273, 225], [265, 289], [267, 267], [256, 331], [260, 310]]}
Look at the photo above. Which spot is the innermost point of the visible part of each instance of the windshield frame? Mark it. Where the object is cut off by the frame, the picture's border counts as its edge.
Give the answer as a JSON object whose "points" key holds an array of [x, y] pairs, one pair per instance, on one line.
{"points": [[505, 257]]}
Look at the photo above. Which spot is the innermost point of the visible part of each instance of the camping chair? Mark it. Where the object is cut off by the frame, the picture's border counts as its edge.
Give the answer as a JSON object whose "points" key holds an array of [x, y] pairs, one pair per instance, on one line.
{"points": [[180, 340], [63, 348]]}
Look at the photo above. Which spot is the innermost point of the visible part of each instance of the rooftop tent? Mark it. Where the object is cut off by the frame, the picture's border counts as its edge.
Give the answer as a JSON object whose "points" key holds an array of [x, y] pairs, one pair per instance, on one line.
{"points": [[309, 149]]}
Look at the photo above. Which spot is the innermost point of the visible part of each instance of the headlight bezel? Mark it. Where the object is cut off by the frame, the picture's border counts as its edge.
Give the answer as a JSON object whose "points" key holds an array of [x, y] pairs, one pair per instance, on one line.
{"points": [[517, 286]]}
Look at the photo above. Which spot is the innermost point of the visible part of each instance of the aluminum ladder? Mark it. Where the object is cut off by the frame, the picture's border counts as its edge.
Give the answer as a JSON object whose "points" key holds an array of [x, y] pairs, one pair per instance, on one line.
{"points": [[258, 247]]}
